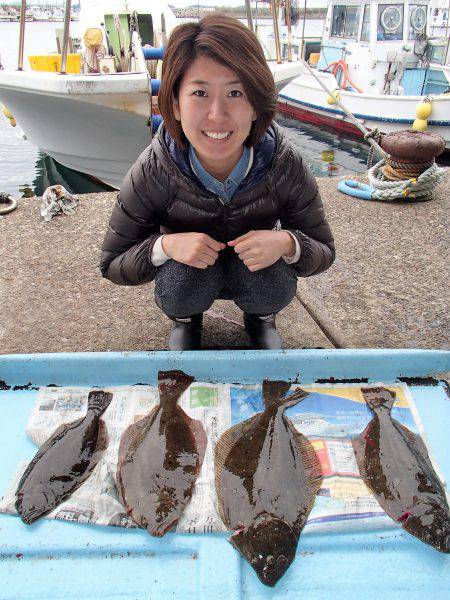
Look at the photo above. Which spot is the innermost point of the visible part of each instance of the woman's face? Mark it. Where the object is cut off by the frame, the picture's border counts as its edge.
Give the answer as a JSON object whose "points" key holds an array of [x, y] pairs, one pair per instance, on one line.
{"points": [[212, 100]]}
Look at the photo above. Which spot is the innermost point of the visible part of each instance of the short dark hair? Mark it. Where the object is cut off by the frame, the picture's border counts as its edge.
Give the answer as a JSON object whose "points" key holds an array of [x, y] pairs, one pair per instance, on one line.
{"points": [[227, 41]]}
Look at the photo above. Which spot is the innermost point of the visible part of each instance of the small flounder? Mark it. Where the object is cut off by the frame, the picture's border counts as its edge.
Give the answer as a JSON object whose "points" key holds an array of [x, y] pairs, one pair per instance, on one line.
{"points": [[160, 458], [267, 476], [395, 466], [63, 462]]}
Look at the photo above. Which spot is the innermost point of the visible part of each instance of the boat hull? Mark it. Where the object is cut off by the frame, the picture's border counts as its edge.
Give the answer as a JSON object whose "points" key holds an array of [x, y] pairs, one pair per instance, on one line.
{"points": [[83, 126], [304, 99]]}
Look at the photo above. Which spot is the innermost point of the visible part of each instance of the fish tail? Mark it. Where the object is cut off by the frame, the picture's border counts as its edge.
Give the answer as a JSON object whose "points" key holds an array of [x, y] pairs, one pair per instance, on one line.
{"points": [[379, 398], [274, 393], [98, 401], [172, 384]]}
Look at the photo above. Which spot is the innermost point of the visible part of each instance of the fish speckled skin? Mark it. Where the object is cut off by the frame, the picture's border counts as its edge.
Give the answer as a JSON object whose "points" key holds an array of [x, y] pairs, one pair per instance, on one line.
{"points": [[394, 464], [63, 462], [160, 458], [267, 477]]}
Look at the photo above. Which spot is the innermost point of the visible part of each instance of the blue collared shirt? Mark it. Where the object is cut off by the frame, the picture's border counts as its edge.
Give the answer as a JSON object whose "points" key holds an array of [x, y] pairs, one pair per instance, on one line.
{"points": [[227, 188]]}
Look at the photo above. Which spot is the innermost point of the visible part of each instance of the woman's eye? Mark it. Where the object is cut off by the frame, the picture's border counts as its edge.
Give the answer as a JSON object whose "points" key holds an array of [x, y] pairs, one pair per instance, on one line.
{"points": [[199, 92], [236, 92]]}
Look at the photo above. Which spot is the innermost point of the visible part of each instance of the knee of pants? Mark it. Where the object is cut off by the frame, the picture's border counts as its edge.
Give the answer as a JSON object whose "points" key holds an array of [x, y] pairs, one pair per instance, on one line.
{"points": [[182, 291], [266, 291]]}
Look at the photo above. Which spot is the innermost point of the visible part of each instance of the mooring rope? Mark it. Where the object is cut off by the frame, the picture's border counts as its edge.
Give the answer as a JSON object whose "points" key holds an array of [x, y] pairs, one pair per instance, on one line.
{"points": [[414, 189], [7, 203]]}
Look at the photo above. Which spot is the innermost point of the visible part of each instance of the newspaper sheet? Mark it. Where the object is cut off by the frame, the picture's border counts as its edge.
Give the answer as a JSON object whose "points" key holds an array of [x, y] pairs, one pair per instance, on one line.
{"points": [[331, 416]]}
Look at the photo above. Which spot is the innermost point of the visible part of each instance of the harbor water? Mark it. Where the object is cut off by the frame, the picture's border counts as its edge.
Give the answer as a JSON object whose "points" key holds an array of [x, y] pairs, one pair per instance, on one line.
{"points": [[26, 171]]}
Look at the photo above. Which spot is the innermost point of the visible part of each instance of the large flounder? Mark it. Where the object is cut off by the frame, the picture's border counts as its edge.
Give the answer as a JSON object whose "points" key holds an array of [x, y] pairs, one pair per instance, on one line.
{"points": [[160, 458], [267, 477], [395, 466], [64, 461]]}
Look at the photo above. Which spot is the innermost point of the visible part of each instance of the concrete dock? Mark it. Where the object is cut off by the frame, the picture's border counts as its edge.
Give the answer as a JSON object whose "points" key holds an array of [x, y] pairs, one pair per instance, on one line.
{"points": [[388, 287]]}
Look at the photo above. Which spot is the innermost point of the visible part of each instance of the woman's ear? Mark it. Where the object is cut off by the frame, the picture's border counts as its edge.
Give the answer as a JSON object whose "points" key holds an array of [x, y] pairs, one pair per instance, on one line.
{"points": [[176, 109], [255, 116]]}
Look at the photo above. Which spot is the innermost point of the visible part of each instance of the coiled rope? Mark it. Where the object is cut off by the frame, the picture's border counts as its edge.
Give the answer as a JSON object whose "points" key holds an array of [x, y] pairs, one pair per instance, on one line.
{"points": [[7, 203], [391, 180], [414, 189]]}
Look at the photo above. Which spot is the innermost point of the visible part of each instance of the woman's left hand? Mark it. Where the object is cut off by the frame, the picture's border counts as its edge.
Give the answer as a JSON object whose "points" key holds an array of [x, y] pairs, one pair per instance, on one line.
{"points": [[260, 249]]}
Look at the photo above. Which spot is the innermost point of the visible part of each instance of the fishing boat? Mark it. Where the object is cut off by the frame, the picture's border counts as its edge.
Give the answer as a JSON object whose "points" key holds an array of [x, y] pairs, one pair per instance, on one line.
{"points": [[95, 113], [378, 59]]}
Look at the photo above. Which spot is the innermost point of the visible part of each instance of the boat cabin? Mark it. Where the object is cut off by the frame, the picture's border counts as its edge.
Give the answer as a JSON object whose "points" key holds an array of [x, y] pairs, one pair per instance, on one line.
{"points": [[384, 45]]}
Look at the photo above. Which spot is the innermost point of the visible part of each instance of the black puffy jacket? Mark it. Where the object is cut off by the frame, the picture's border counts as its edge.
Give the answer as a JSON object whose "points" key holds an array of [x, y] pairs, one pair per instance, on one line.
{"points": [[160, 194]]}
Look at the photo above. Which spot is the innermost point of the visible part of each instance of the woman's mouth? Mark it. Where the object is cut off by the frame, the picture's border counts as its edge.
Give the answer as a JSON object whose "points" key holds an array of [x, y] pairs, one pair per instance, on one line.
{"points": [[217, 136]]}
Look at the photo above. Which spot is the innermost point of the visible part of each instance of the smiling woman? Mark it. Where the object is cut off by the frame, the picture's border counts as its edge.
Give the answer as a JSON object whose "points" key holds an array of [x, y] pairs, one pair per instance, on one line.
{"points": [[221, 204]]}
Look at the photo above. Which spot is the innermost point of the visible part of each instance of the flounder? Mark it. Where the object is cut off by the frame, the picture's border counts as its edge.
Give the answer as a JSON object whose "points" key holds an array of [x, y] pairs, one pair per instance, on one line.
{"points": [[395, 466], [267, 476], [64, 461], [160, 458]]}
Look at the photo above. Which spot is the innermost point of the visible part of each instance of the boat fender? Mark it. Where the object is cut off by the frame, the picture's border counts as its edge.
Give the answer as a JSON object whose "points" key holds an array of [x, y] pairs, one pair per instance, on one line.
{"points": [[419, 125], [423, 109], [356, 189], [335, 95]]}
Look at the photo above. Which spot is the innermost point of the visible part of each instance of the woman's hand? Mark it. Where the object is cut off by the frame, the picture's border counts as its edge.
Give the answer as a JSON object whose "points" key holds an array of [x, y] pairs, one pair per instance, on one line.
{"points": [[192, 249], [260, 249]]}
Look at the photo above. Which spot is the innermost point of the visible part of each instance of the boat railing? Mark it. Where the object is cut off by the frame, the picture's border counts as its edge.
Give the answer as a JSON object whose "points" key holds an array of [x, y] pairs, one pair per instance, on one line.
{"points": [[64, 49]]}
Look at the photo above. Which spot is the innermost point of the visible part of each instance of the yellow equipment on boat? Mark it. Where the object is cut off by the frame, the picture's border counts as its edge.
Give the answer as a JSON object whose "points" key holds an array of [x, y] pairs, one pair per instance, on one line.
{"points": [[52, 62]]}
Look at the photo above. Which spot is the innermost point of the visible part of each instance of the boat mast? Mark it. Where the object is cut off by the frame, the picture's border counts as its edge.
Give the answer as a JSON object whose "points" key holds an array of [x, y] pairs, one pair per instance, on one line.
{"points": [[65, 36], [289, 28], [249, 15], [23, 10], [302, 53], [274, 10]]}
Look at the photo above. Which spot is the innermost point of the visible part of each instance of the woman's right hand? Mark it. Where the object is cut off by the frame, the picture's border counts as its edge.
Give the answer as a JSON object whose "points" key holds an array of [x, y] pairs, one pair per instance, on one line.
{"points": [[192, 249]]}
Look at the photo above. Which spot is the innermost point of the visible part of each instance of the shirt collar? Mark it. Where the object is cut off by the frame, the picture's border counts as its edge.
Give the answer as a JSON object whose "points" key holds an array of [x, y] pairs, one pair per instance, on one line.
{"points": [[238, 173]]}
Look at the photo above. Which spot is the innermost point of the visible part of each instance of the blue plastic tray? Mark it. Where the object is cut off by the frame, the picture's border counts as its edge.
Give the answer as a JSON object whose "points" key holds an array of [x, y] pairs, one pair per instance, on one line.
{"points": [[53, 559]]}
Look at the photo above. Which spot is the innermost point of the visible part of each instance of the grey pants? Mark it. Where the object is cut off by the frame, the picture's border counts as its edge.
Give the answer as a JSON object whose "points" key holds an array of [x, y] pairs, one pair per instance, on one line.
{"points": [[182, 291]]}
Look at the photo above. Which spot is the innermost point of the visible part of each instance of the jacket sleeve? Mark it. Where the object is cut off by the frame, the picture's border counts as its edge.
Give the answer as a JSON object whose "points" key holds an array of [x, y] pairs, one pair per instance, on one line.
{"points": [[134, 226], [302, 213]]}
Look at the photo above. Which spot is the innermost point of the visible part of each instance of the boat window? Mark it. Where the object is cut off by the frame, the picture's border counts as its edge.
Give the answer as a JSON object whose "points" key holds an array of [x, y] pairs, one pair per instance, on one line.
{"points": [[436, 53], [345, 21], [365, 31], [417, 21], [390, 22]]}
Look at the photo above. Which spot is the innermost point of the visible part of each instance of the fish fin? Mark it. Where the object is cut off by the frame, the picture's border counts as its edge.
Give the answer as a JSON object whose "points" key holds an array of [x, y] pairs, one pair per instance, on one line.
{"points": [[223, 448], [359, 444], [99, 400], [126, 441], [416, 442], [133, 432], [274, 393], [200, 436], [172, 384], [102, 441], [378, 398], [311, 463]]}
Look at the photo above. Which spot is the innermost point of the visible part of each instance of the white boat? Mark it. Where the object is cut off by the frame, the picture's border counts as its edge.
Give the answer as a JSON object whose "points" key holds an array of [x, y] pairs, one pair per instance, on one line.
{"points": [[98, 123], [379, 56]]}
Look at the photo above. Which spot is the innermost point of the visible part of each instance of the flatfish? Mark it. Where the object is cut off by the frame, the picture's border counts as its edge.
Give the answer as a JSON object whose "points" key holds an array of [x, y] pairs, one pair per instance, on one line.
{"points": [[267, 476], [64, 461], [395, 466], [160, 458]]}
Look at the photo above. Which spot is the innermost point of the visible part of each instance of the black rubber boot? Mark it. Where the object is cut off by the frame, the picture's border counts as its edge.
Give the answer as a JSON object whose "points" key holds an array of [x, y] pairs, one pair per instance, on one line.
{"points": [[186, 333], [262, 331]]}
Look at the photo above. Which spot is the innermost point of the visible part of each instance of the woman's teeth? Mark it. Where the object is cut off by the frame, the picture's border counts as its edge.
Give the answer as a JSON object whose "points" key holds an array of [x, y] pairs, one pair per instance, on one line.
{"points": [[217, 136]]}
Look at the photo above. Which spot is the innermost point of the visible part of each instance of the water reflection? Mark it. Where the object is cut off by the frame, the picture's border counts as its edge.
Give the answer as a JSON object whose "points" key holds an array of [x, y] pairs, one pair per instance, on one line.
{"points": [[50, 172]]}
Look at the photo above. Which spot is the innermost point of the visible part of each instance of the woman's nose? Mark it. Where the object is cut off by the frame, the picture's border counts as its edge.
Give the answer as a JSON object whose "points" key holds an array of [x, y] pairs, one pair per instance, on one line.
{"points": [[217, 109]]}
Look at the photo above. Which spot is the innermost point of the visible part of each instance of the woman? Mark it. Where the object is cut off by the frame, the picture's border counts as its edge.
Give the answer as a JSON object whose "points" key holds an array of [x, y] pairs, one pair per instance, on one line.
{"points": [[221, 204]]}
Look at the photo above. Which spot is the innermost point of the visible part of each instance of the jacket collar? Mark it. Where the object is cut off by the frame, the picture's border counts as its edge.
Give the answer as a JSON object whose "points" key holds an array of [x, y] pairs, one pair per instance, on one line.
{"points": [[263, 154]]}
